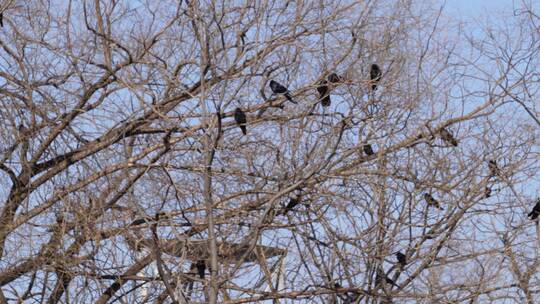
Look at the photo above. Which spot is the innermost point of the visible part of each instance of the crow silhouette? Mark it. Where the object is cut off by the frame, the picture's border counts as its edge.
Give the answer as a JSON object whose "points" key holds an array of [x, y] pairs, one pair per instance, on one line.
{"points": [[401, 258], [241, 120], [278, 88], [432, 201], [368, 149], [292, 203], [201, 268], [324, 95], [448, 137], [535, 212], [493, 168], [487, 192], [375, 75]]}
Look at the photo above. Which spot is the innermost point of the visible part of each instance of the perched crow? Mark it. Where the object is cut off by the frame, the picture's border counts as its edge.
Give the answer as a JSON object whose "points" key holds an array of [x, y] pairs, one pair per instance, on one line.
{"points": [[493, 168], [2, 19], [401, 258], [292, 203], [535, 212], [448, 137], [201, 267], [375, 76], [368, 149], [334, 78], [278, 88], [431, 201], [324, 97], [487, 192], [241, 120]]}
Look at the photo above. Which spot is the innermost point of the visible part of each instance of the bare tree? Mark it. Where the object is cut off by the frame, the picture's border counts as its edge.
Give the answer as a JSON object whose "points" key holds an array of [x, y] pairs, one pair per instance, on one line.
{"points": [[127, 179]]}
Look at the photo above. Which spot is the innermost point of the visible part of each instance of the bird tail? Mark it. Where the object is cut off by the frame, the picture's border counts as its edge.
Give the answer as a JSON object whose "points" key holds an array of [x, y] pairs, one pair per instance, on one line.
{"points": [[288, 96], [454, 142], [244, 129]]}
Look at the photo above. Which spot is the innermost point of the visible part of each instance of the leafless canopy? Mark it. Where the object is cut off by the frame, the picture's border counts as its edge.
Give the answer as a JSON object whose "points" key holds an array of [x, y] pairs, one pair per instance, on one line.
{"points": [[125, 177]]}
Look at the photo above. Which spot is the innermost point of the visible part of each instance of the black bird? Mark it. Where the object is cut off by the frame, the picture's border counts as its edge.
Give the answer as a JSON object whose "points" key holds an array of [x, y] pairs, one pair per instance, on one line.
{"points": [[2, 19], [535, 212], [401, 258], [448, 137], [487, 192], [324, 97], [368, 149], [334, 78], [493, 168], [292, 203], [432, 201], [278, 88], [375, 76], [201, 267], [241, 120]]}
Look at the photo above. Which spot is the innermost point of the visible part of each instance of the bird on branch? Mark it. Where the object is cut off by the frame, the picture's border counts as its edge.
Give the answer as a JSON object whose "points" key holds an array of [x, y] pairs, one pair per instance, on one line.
{"points": [[293, 202], [401, 258], [324, 95], [431, 201], [278, 88], [493, 168], [535, 211], [241, 120], [375, 75], [448, 137], [368, 149]]}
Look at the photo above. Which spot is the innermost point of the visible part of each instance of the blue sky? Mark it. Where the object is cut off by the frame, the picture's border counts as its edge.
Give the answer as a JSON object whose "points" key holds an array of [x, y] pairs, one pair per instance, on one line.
{"points": [[477, 8]]}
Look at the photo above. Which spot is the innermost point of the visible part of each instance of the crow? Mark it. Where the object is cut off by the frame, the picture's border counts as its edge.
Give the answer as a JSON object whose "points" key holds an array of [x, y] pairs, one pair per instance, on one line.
{"points": [[292, 203], [401, 258], [334, 78], [493, 168], [375, 75], [368, 149], [241, 120], [535, 212], [2, 19], [432, 201], [324, 97], [278, 88], [201, 267], [448, 137], [487, 192]]}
